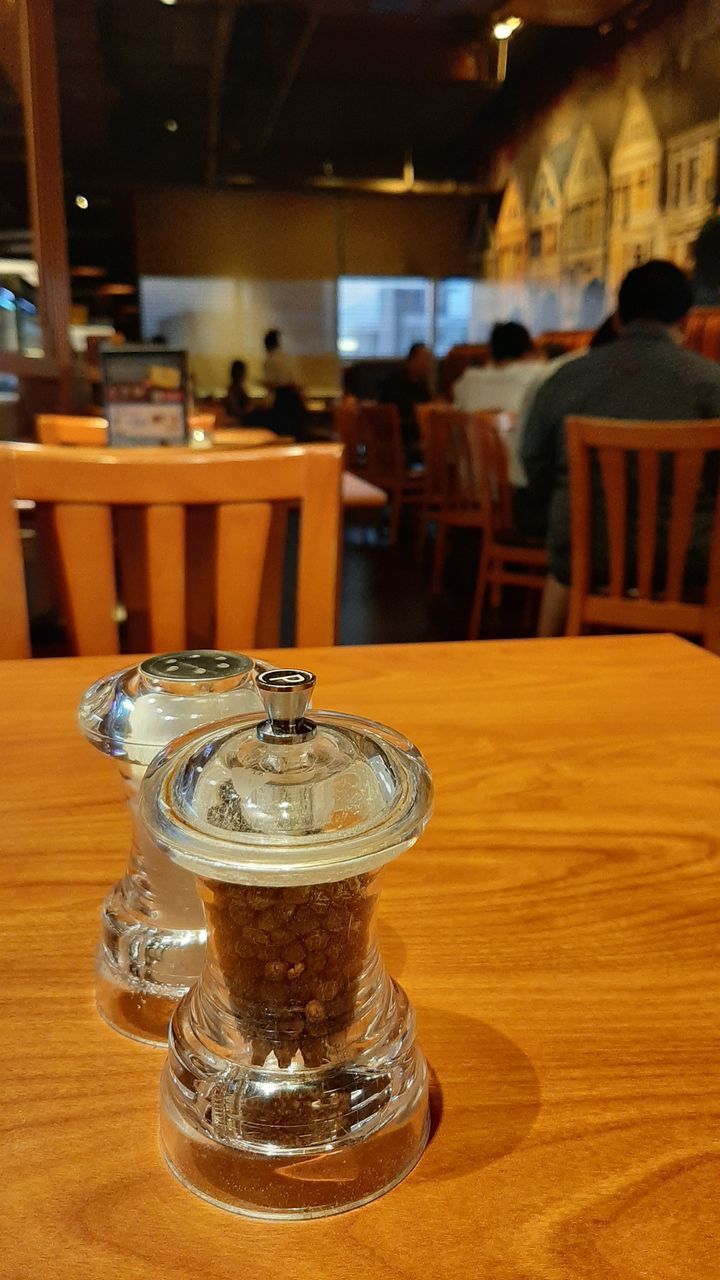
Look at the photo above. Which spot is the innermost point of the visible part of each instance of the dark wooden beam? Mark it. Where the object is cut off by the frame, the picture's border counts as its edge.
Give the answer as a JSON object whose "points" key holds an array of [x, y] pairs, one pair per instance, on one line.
{"points": [[223, 31], [296, 59], [45, 180]]}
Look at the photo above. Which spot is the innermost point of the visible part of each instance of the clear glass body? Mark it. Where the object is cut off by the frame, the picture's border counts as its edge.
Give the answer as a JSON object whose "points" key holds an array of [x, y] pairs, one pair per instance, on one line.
{"points": [[294, 1085], [152, 940]]}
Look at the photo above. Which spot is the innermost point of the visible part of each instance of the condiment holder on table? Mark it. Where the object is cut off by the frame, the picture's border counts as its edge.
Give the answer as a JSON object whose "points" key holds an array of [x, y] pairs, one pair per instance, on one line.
{"points": [[294, 1085], [152, 943]]}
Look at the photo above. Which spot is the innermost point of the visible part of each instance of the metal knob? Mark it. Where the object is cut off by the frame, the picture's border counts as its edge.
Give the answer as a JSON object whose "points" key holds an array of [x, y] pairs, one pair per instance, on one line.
{"points": [[286, 696]]}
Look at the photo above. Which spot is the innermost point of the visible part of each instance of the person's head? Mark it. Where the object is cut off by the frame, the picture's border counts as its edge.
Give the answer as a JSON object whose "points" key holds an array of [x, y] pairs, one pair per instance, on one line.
{"points": [[272, 339], [658, 291], [238, 371], [606, 333], [510, 342], [419, 362]]}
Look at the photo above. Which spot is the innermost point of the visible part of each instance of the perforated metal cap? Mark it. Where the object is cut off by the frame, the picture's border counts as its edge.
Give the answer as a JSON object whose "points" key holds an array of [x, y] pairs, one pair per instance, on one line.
{"points": [[132, 713]]}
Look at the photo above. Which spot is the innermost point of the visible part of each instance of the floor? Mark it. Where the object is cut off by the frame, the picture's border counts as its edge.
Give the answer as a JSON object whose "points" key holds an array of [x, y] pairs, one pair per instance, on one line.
{"points": [[386, 596]]}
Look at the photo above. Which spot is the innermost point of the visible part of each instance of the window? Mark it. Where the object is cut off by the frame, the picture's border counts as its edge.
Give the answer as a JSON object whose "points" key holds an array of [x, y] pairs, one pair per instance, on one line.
{"points": [[535, 244], [551, 240], [453, 306], [676, 184], [693, 182], [382, 316]]}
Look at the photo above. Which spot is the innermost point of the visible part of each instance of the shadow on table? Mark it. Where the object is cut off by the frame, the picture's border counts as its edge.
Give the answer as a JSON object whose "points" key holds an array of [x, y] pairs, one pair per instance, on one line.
{"points": [[484, 1103], [392, 949]]}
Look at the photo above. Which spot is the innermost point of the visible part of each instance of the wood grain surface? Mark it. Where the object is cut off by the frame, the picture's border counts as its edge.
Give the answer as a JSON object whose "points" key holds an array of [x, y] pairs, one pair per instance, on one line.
{"points": [[556, 930]]}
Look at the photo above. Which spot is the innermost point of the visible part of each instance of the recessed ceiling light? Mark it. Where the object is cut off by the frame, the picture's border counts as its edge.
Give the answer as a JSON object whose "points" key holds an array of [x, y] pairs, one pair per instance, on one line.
{"points": [[503, 30], [171, 125], [168, 1], [82, 202]]}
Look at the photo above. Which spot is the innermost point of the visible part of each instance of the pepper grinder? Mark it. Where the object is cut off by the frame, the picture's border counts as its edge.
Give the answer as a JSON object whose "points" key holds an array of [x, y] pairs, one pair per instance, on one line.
{"points": [[153, 936], [294, 1086]]}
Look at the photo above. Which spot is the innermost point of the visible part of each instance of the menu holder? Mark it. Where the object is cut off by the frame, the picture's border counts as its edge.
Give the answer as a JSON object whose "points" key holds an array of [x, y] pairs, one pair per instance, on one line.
{"points": [[145, 395]]}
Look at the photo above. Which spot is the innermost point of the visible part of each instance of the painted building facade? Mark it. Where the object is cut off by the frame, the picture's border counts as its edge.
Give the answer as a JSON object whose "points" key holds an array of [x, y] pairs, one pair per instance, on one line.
{"points": [[692, 187], [510, 249], [583, 248]]}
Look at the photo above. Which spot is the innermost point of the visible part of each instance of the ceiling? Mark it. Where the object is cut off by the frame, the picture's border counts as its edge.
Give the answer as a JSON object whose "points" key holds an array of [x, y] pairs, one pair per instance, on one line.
{"points": [[294, 93], [216, 91]]}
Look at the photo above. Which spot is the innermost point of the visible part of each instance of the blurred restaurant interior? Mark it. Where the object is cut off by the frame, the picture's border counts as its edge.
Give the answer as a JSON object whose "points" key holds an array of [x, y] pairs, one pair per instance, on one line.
{"points": [[368, 180], [360, 531]]}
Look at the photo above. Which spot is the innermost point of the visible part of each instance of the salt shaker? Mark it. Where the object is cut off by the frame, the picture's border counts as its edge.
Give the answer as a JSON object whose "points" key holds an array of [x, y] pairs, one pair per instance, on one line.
{"points": [[294, 1086], [153, 935]]}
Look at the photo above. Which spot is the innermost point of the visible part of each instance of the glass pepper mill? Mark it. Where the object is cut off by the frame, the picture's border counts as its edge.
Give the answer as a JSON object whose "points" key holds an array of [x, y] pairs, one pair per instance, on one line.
{"points": [[294, 1086], [153, 936]]}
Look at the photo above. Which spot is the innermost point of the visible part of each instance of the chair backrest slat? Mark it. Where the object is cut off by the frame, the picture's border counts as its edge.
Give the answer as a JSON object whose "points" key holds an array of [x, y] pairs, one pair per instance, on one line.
{"points": [[319, 553], [495, 497], [241, 534], [165, 575], [84, 539], [713, 589], [648, 496], [380, 435], [345, 422], [614, 481], [148, 491], [687, 474]]}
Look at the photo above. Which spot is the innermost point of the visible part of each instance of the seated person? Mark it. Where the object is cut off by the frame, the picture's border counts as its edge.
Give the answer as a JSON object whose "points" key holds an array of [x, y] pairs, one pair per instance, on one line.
{"points": [[529, 510], [407, 387], [503, 384], [237, 399], [645, 374], [286, 415]]}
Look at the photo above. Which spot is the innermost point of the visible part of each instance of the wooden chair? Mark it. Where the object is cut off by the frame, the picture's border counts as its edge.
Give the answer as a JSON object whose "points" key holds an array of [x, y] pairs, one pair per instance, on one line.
{"points": [[374, 450], [84, 488], [345, 424], [711, 336], [504, 561], [454, 453], [650, 595], [60, 428], [435, 424]]}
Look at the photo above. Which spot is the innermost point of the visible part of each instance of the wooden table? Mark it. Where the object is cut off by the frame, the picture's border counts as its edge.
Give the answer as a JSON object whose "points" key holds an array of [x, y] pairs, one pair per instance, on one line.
{"points": [[556, 930]]}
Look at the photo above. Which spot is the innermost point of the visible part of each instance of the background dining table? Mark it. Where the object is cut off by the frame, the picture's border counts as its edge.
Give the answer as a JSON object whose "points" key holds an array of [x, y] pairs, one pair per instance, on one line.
{"points": [[555, 928]]}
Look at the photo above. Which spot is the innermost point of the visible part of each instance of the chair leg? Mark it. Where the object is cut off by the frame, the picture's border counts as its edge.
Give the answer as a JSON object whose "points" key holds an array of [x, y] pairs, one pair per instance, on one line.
{"points": [[554, 618], [395, 505], [439, 557], [480, 589], [423, 525], [496, 595]]}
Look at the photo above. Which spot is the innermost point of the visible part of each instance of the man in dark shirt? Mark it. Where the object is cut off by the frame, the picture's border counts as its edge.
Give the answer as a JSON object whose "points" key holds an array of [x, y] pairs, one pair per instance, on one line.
{"points": [[409, 386], [646, 374]]}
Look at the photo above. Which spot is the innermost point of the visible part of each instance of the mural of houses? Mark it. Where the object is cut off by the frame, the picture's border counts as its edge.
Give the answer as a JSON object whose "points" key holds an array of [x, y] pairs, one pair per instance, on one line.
{"points": [[636, 223], [586, 223], [583, 246], [692, 184], [511, 235], [545, 224]]}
